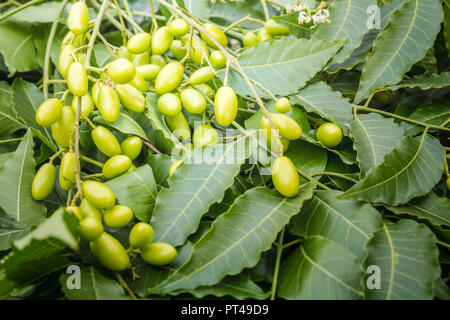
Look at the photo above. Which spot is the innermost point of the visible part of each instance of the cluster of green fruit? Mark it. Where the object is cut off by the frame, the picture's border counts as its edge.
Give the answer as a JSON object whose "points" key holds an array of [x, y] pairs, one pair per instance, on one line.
{"points": [[270, 29]]}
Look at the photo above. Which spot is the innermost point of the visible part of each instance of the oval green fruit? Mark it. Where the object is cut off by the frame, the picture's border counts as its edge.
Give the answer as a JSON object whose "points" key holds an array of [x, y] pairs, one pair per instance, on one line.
{"points": [[131, 147], [149, 71], [43, 182], [110, 252], [178, 50], [276, 29], [264, 35], [141, 235], [206, 90], [96, 91], [217, 59], [139, 82], [108, 103], [76, 211], [123, 53], [98, 194], [158, 60], [65, 184], [283, 105], [330, 134], [217, 34], [118, 217], [67, 166], [179, 127], [90, 229], [198, 49], [193, 101], [78, 19], [225, 106], [201, 75], [131, 98], [105, 141], [49, 112], [250, 39], [159, 254], [178, 27], [286, 126], [116, 166], [384, 97], [121, 71], [140, 59], [77, 80], [65, 60], [169, 104], [87, 210], [174, 167], [61, 129], [169, 78], [139, 43], [162, 39], [205, 135], [87, 105], [285, 177]]}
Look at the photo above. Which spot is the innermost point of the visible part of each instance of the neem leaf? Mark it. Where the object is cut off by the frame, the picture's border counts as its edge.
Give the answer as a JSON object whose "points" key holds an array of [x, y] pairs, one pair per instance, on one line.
{"points": [[425, 82], [8, 122], [10, 230]]}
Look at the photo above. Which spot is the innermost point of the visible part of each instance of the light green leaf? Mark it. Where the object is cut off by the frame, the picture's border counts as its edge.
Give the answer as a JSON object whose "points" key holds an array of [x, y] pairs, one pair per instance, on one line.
{"points": [[407, 256], [425, 82], [431, 207], [16, 177], [43, 13], [17, 47], [349, 20], [374, 136], [410, 170], [320, 99], [411, 31], [194, 187], [10, 230], [291, 21], [349, 223], [137, 190], [8, 122], [94, 286], [321, 269], [124, 124], [102, 55], [237, 238], [436, 113], [282, 65]]}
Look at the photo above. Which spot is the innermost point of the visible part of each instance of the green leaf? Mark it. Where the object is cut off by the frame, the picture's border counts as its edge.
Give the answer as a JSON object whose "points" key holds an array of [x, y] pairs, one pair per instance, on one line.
{"points": [[194, 187], [17, 47], [336, 165], [436, 113], [411, 31], [16, 177], [237, 238], [431, 207], [43, 13], [441, 289], [8, 122], [102, 55], [320, 99], [137, 190], [447, 27], [321, 269], [410, 170], [160, 164], [407, 256], [425, 82], [124, 124], [282, 65], [349, 20], [10, 230], [349, 223], [291, 21], [374, 136], [93, 286]]}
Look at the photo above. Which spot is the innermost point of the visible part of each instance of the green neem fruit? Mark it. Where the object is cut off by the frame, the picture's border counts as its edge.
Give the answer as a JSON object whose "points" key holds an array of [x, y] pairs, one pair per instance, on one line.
{"points": [[384, 97], [329, 134], [205, 135], [77, 80], [159, 254], [201, 75], [105, 141], [90, 229], [68, 166], [286, 126], [131, 98], [141, 235], [110, 252], [158, 59], [162, 40], [217, 34], [89, 210], [285, 177], [283, 105], [169, 104], [95, 91], [140, 59], [108, 103], [139, 43], [49, 112], [131, 147], [61, 129], [225, 106], [174, 167], [87, 105], [178, 50], [76, 211], [206, 90], [121, 71], [179, 127], [198, 49], [43, 182], [139, 82], [276, 29], [250, 39], [178, 27], [115, 166], [217, 59], [124, 53], [169, 78], [193, 101], [65, 184], [148, 71], [264, 35], [65, 60], [118, 217], [78, 19], [98, 194]]}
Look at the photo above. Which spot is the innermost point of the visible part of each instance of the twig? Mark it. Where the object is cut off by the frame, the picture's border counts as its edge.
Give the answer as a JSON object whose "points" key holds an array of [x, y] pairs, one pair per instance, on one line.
{"points": [[154, 22], [342, 176], [277, 265], [14, 11], [125, 286], [266, 10], [151, 146]]}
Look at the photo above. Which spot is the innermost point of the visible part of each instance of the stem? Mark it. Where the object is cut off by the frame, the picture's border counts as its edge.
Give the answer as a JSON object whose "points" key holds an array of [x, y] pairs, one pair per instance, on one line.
{"points": [[122, 23], [237, 23], [372, 95], [292, 243], [266, 10], [96, 163], [443, 244], [342, 176], [125, 286], [277, 265], [151, 146], [14, 11], [108, 46], [133, 23], [154, 22], [10, 140], [48, 49], [111, 19], [56, 155]]}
